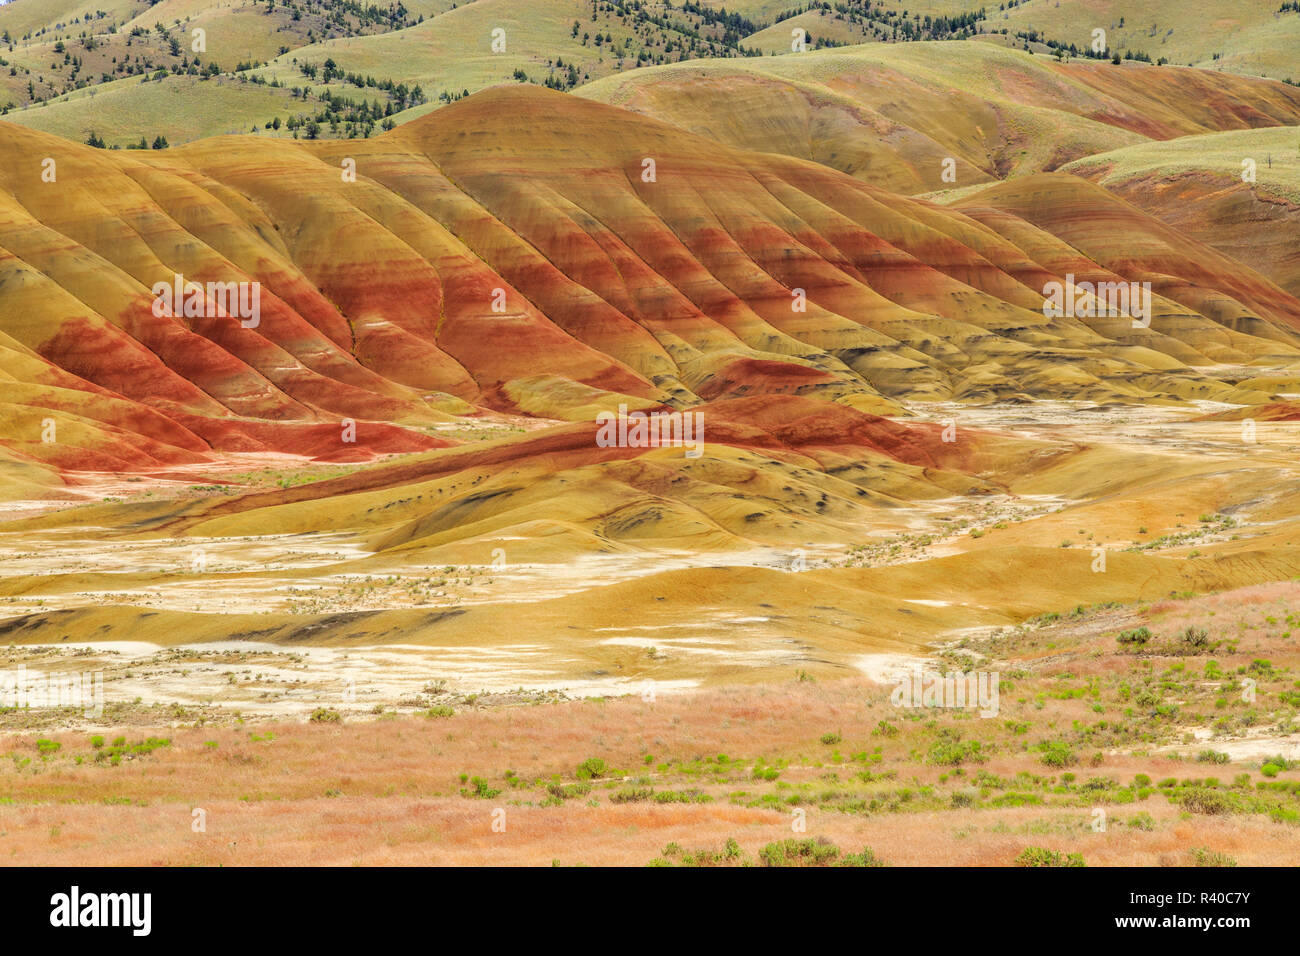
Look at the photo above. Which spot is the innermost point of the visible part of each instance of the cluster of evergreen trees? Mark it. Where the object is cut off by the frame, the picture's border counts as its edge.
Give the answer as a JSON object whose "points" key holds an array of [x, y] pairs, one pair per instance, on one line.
{"points": [[347, 17], [97, 141], [400, 95]]}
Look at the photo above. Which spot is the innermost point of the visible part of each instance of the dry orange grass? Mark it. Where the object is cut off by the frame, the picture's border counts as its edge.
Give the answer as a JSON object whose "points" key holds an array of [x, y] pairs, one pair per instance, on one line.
{"points": [[410, 832], [400, 790]]}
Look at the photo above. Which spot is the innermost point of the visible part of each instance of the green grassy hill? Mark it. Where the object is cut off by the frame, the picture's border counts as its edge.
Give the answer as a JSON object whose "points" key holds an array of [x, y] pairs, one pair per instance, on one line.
{"points": [[1255, 38], [53, 52], [894, 114], [1275, 152]]}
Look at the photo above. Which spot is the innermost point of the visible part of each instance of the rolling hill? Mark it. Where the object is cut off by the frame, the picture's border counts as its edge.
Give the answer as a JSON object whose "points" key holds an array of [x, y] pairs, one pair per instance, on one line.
{"points": [[144, 57], [891, 114], [532, 217]]}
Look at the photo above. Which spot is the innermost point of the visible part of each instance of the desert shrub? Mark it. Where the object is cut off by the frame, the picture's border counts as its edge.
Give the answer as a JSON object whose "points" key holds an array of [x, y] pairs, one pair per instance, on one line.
{"points": [[1137, 636], [323, 715], [1204, 856], [791, 852], [866, 858], [120, 748], [567, 791], [952, 753], [1205, 801], [1194, 637], [635, 795], [681, 796], [949, 750], [1041, 856], [1147, 697], [479, 788], [1211, 756], [1056, 753], [809, 852]]}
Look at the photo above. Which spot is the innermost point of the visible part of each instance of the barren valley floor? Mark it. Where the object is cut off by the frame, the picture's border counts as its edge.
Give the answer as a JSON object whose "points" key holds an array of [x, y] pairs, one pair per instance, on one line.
{"points": [[322, 701]]}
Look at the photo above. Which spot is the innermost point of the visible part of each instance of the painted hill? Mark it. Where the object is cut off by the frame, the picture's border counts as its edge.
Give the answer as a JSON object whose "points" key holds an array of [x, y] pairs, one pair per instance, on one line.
{"points": [[546, 255], [891, 114], [403, 446], [1236, 191]]}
